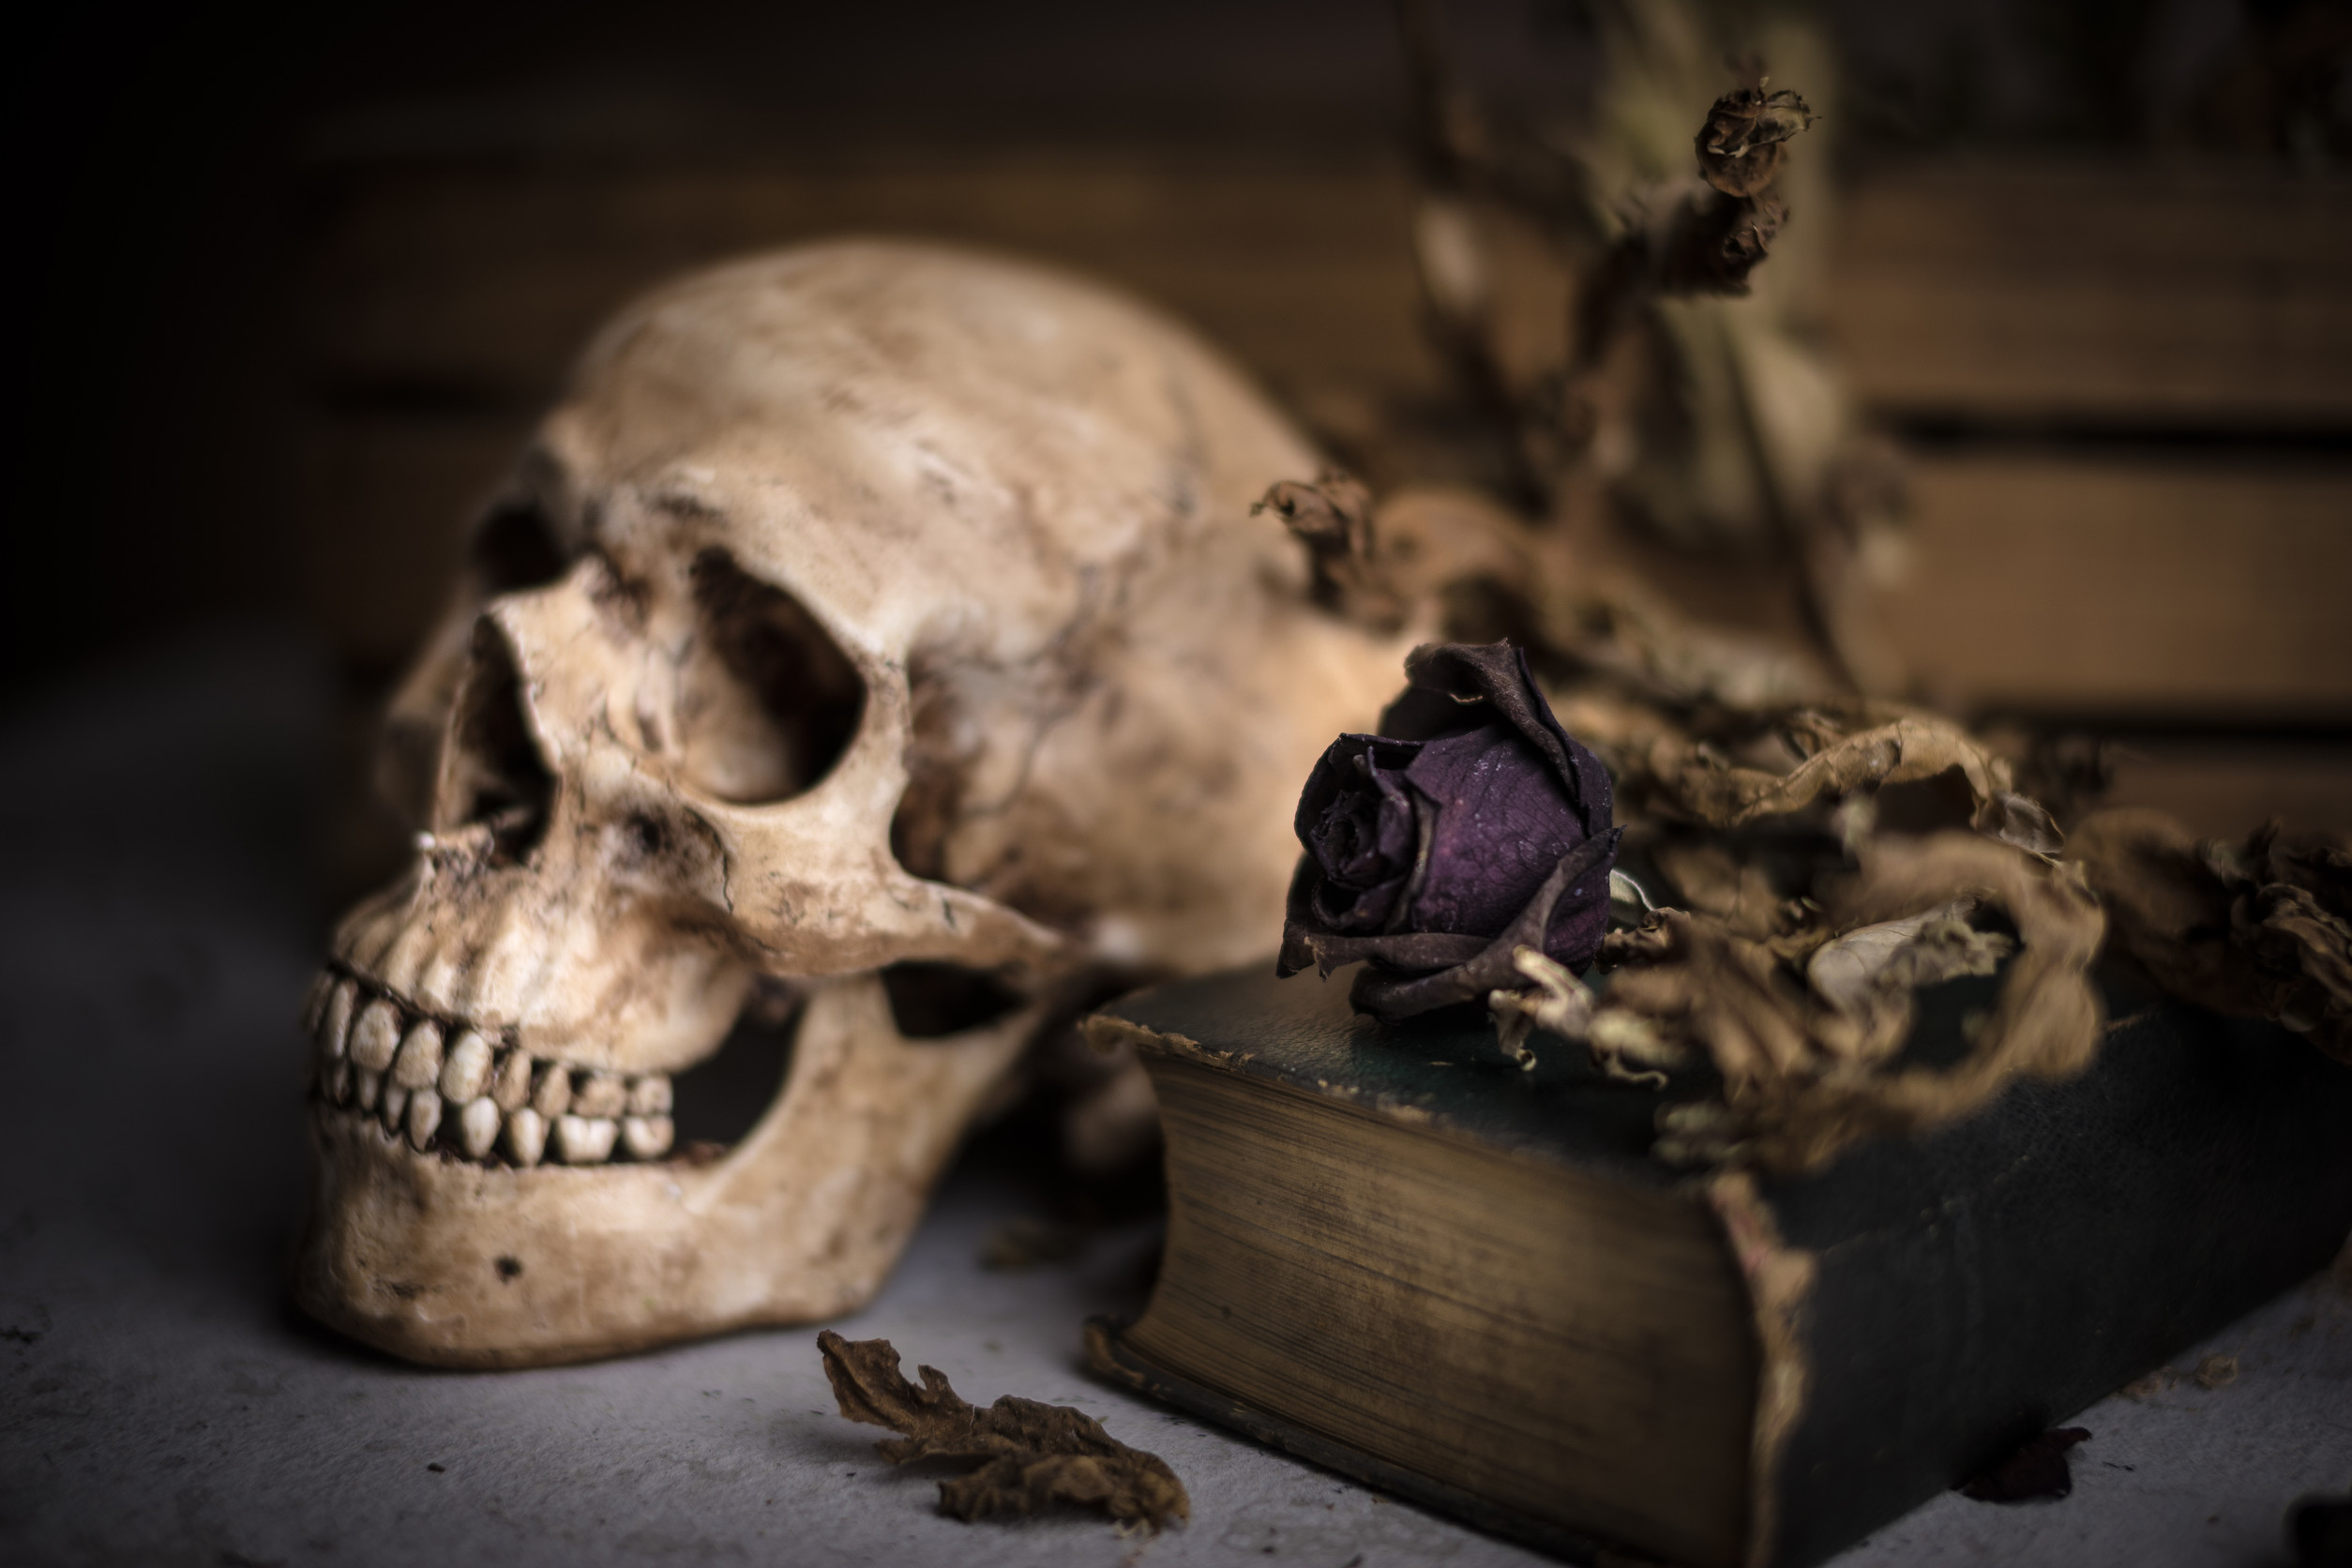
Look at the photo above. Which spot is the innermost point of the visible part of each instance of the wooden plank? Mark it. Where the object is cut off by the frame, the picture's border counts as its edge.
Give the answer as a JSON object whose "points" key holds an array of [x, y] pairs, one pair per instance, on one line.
{"points": [[2054, 582], [2021, 294], [483, 281], [2005, 293], [2224, 789], [2045, 582]]}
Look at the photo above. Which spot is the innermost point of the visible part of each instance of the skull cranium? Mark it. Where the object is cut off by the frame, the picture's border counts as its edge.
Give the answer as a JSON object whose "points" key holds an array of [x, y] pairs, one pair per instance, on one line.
{"points": [[865, 617]]}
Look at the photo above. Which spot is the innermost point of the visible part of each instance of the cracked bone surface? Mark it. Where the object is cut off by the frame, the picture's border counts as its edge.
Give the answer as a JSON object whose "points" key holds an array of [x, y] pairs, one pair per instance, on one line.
{"points": [[866, 624]]}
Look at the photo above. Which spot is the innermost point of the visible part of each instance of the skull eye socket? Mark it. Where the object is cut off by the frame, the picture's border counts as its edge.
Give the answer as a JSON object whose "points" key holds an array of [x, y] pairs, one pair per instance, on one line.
{"points": [[515, 547], [767, 703]]}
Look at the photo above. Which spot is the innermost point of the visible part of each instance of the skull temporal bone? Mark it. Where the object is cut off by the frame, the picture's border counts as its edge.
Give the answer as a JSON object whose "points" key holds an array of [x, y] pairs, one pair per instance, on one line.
{"points": [[906, 606]]}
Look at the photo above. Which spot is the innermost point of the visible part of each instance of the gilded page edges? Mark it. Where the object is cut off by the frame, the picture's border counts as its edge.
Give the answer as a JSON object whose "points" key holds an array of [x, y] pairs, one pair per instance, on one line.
{"points": [[1780, 1280]]}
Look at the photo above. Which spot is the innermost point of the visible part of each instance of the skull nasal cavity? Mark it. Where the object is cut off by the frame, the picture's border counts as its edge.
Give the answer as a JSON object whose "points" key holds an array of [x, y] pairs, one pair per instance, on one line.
{"points": [[497, 778], [770, 703]]}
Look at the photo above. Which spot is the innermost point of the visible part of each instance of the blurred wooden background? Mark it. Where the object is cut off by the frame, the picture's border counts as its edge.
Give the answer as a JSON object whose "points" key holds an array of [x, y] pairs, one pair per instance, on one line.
{"points": [[2124, 394], [302, 279]]}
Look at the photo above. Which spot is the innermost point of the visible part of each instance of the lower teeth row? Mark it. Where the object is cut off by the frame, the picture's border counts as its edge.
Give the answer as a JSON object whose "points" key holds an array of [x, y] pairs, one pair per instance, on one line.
{"points": [[474, 1099]]}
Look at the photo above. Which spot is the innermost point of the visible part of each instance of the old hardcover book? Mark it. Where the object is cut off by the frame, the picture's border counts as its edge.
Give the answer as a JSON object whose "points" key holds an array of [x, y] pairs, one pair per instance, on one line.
{"points": [[1391, 1252]]}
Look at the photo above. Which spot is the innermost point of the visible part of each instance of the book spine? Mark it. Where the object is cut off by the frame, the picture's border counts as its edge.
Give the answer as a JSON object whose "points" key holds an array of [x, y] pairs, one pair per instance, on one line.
{"points": [[1926, 1308]]}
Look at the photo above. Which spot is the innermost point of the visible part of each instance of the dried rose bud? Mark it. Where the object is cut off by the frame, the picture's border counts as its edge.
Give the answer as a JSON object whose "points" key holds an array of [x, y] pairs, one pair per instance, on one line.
{"points": [[1471, 826], [1742, 145]]}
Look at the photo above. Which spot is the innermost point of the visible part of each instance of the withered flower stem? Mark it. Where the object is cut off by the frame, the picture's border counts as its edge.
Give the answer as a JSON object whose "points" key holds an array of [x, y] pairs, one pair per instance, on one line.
{"points": [[1708, 241]]}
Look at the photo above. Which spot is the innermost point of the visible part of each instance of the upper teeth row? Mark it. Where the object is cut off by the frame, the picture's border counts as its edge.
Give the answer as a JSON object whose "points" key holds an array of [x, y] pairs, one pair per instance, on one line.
{"points": [[452, 1084]]}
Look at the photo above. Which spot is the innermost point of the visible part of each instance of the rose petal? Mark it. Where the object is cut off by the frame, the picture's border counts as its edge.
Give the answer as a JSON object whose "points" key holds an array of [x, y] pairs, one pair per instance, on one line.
{"points": [[1472, 826], [1357, 822], [1387, 994], [1503, 821], [1458, 686]]}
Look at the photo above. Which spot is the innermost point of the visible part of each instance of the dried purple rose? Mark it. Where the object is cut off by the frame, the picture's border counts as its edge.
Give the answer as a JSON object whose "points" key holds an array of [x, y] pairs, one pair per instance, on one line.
{"points": [[1470, 825]]}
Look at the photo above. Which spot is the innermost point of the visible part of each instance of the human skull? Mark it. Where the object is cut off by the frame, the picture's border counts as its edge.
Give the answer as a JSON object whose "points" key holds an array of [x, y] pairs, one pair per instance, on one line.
{"points": [[868, 627]]}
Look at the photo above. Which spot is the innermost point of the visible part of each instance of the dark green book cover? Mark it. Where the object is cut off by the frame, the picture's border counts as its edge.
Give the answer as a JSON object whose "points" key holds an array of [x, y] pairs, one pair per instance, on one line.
{"points": [[1921, 1306]]}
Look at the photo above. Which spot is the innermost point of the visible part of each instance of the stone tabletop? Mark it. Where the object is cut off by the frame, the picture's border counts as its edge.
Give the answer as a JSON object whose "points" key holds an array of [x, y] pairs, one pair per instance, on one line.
{"points": [[159, 1402]]}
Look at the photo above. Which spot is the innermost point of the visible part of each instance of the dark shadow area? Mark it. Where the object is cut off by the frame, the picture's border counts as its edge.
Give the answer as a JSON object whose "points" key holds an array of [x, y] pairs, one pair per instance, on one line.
{"points": [[718, 1101]]}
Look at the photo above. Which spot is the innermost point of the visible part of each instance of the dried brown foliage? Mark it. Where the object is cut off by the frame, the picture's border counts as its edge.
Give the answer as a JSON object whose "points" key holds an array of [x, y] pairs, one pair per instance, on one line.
{"points": [[1821, 856], [1693, 236], [1821, 861], [1804, 1027], [1333, 518], [1687, 772], [1745, 138], [2261, 930], [1030, 1456]]}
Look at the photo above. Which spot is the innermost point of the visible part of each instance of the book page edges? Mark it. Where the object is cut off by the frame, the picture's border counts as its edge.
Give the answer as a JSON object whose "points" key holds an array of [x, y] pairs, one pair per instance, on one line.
{"points": [[1111, 1357], [1776, 1279]]}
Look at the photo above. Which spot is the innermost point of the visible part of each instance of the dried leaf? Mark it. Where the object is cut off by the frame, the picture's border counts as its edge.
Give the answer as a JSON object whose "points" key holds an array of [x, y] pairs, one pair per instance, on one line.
{"points": [[1334, 519], [1732, 879], [1859, 973], [1869, 747], [2216, 1371], [1683, 240], [1745, 138], [1558, 1001], [1031, 1455], [2262, 930], [1611, 626], [1803, 1064]]}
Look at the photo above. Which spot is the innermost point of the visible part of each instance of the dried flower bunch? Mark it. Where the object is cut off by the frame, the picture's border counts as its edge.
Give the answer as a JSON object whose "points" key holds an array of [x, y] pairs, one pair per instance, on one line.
{"points": [[1688, 396], [1803, 856], [1814, 860], [2261, 927]]}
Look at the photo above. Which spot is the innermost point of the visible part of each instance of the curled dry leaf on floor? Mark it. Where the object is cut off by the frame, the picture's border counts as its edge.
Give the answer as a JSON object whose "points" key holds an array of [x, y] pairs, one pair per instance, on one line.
{"points": [[1029, 1456], [1333, 519]]}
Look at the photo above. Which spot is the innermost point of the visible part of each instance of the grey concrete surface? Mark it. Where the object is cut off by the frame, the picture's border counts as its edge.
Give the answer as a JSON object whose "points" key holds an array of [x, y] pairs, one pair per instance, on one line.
{"points": [[159, 1403]]}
